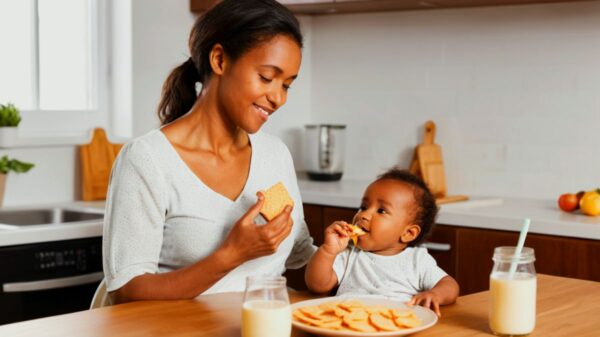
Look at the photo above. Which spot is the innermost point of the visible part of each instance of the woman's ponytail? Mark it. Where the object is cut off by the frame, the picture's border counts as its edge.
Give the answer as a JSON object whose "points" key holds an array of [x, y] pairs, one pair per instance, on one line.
{"points": [[178, 92]]}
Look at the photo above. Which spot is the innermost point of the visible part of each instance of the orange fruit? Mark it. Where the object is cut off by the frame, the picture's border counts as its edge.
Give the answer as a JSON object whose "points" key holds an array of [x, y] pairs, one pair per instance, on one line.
{"points": [[590, 203]]}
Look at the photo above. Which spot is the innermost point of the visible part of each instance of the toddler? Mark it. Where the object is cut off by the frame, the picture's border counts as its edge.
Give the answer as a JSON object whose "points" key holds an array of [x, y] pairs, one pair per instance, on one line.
{"points": [[396, 213]]}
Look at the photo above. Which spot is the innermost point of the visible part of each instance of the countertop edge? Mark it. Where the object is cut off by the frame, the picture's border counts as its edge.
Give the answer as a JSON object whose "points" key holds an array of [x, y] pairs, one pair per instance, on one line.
{"points": [[491, 213]]}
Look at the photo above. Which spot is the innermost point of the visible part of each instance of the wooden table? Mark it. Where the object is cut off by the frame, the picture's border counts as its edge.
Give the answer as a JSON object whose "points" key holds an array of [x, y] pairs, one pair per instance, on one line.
{"points": [[566, 307]]}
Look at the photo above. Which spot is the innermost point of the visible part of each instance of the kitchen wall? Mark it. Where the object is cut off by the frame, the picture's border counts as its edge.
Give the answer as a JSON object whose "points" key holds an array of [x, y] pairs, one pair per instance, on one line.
{"points": [[514, 92], [53, 179]]}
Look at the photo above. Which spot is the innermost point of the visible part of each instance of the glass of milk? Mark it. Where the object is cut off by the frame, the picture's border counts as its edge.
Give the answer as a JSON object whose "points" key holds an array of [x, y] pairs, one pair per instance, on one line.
{"points": [[266, 308], [513, 292]]}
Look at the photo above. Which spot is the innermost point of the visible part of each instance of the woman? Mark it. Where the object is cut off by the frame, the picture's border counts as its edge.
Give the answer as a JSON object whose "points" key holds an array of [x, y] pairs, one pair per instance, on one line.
{"points": [[182, 215]]}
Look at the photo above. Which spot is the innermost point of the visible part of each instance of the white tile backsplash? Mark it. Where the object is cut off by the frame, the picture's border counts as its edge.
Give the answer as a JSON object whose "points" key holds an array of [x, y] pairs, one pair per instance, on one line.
{"points": [[514, 91]]}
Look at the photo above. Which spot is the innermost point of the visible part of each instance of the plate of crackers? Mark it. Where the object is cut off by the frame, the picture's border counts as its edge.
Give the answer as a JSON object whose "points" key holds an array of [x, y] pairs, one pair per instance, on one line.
{"points": [[364, 317]]}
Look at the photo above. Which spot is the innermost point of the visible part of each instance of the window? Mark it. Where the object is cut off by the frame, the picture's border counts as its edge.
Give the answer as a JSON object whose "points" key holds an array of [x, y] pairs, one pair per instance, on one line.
{"points": [[51, 65]]}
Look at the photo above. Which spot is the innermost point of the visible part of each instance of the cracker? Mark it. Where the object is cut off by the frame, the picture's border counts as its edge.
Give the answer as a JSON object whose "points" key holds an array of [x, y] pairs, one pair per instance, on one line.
{"points": [[408, 322], [382, 323], [276, 198], [353, 315], [356, 232]]}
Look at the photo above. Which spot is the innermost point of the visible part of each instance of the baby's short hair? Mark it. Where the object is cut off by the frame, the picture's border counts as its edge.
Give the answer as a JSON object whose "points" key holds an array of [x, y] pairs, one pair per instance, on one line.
{"points": [[427, 209]]}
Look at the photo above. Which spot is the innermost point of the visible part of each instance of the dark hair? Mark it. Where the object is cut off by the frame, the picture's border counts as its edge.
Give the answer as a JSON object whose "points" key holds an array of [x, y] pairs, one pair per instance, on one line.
{"points": [[426, 212], [238, 25]]}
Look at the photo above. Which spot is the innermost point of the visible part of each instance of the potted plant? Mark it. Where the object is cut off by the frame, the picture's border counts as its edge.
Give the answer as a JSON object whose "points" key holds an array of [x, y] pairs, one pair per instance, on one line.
{"points": [[7, 165], [10, 117]]}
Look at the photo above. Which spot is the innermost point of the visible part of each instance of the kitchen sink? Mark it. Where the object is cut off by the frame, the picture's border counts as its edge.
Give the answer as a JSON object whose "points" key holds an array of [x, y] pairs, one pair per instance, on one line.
{"points": [[45, 216]]}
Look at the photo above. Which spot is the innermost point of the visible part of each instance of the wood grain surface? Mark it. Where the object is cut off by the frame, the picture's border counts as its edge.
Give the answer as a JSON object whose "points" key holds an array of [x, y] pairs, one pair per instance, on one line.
{"points": [[566, 307], [96, 161]]}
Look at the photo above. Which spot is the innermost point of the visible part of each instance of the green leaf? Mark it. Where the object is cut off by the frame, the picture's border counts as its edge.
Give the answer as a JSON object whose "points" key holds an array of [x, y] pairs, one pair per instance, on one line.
{"points": [[14, 165], [9, 115]]}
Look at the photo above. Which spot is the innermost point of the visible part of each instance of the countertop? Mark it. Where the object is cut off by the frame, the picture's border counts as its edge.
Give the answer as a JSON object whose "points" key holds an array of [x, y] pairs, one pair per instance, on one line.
{"points": [[565, 307], [54, 232], [479, 212]]}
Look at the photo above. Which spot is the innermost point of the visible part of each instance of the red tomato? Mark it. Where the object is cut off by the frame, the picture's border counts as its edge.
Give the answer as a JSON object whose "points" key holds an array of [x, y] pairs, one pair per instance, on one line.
{"points": [[568, 202]]}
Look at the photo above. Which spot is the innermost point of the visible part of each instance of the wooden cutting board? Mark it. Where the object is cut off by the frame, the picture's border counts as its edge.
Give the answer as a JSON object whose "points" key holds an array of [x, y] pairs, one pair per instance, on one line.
{"points": [[96, 160], [428, 163], [431, 164]]}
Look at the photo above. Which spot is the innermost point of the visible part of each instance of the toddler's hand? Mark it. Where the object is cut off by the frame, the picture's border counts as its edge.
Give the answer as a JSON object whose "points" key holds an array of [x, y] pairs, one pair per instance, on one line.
{"points": [[427, 299], [337, 236]]}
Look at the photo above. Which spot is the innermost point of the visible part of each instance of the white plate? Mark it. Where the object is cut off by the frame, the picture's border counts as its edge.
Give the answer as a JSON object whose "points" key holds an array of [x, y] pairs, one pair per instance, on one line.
{"points": [[428, 317]]}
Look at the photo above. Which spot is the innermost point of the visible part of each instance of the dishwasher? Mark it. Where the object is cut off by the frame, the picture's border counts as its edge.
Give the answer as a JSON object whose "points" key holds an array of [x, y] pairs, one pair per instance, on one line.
{"points": [[48, 278]]}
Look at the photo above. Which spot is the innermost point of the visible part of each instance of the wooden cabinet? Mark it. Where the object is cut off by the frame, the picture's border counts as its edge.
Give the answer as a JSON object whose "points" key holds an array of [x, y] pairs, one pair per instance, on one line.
{"points": [[560, 256], [319, 7], [446, 259], [199, 6], [331, 214], [313, 215]]}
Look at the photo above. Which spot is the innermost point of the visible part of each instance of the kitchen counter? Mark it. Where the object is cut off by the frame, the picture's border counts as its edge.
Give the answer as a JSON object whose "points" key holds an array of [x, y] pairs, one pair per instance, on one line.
{"points": [[480, 212], [54, 232], [565, 307]]}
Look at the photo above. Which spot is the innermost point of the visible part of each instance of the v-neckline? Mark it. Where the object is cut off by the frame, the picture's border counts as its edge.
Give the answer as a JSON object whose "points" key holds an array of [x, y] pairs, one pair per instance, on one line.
{"points": [[202, 183]]}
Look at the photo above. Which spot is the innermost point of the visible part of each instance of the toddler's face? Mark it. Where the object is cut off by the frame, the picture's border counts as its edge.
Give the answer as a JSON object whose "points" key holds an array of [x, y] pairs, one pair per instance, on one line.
{"points": [[385, 213]]}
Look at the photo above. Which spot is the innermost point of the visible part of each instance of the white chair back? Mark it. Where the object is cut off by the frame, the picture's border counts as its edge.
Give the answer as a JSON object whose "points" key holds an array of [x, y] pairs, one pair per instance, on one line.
{"points": [[101, 297]]}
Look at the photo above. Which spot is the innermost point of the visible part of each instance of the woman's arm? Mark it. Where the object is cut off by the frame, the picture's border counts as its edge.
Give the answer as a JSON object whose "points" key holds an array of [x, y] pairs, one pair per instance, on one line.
{"points": [[184, 283], [245, 241]]}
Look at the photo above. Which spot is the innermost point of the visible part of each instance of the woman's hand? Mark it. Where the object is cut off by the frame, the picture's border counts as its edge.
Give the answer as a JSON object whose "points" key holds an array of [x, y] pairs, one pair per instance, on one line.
{"points": [[247, 240], [337, 236]]}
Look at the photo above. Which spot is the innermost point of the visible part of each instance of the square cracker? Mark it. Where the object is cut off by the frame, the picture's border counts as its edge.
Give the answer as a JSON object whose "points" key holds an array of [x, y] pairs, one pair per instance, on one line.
{"points": [[276, 198]]}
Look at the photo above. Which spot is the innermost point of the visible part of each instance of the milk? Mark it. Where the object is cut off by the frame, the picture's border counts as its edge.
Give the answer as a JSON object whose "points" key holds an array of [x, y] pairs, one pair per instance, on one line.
{"points": [[512, 310], [262, 318]]}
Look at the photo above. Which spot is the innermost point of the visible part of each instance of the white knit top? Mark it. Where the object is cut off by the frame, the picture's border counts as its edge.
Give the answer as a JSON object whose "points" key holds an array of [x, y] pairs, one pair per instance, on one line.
{"points": [[160, 216]]}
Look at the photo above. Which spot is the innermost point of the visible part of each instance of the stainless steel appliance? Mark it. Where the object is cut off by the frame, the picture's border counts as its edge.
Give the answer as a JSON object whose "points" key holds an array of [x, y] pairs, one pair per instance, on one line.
{"points": [[47, 278], [324, 151], [50, 278]]}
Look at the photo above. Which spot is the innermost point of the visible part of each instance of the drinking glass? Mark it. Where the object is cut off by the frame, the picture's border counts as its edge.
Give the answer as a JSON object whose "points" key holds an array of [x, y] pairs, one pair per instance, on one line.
{"points": [[266, 308]]}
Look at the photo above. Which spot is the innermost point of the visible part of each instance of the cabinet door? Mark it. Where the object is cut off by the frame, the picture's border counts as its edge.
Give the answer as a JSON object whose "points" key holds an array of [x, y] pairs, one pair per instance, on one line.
{"points": [[474, 256], [331, 214], [559, 256], [592, 256], [446, 259], [313, 215]]}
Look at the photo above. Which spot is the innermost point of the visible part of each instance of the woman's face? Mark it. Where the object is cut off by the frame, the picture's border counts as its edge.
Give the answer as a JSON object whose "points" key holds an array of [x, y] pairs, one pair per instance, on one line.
{"points": [[254, 86]]}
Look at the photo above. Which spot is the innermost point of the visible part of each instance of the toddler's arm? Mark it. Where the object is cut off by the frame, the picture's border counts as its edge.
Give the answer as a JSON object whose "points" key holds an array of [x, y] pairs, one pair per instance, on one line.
{"points": [[444, 292], [320, 277]]}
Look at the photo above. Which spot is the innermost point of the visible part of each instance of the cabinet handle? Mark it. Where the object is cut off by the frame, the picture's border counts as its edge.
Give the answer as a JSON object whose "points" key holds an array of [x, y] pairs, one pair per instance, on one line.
{"points": [[438, 247], [56, 283]]}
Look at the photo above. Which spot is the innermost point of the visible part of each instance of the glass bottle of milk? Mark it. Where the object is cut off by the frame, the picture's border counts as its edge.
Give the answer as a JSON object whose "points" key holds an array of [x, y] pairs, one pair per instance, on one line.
{"points": [[513, 292], [266, 310]]}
